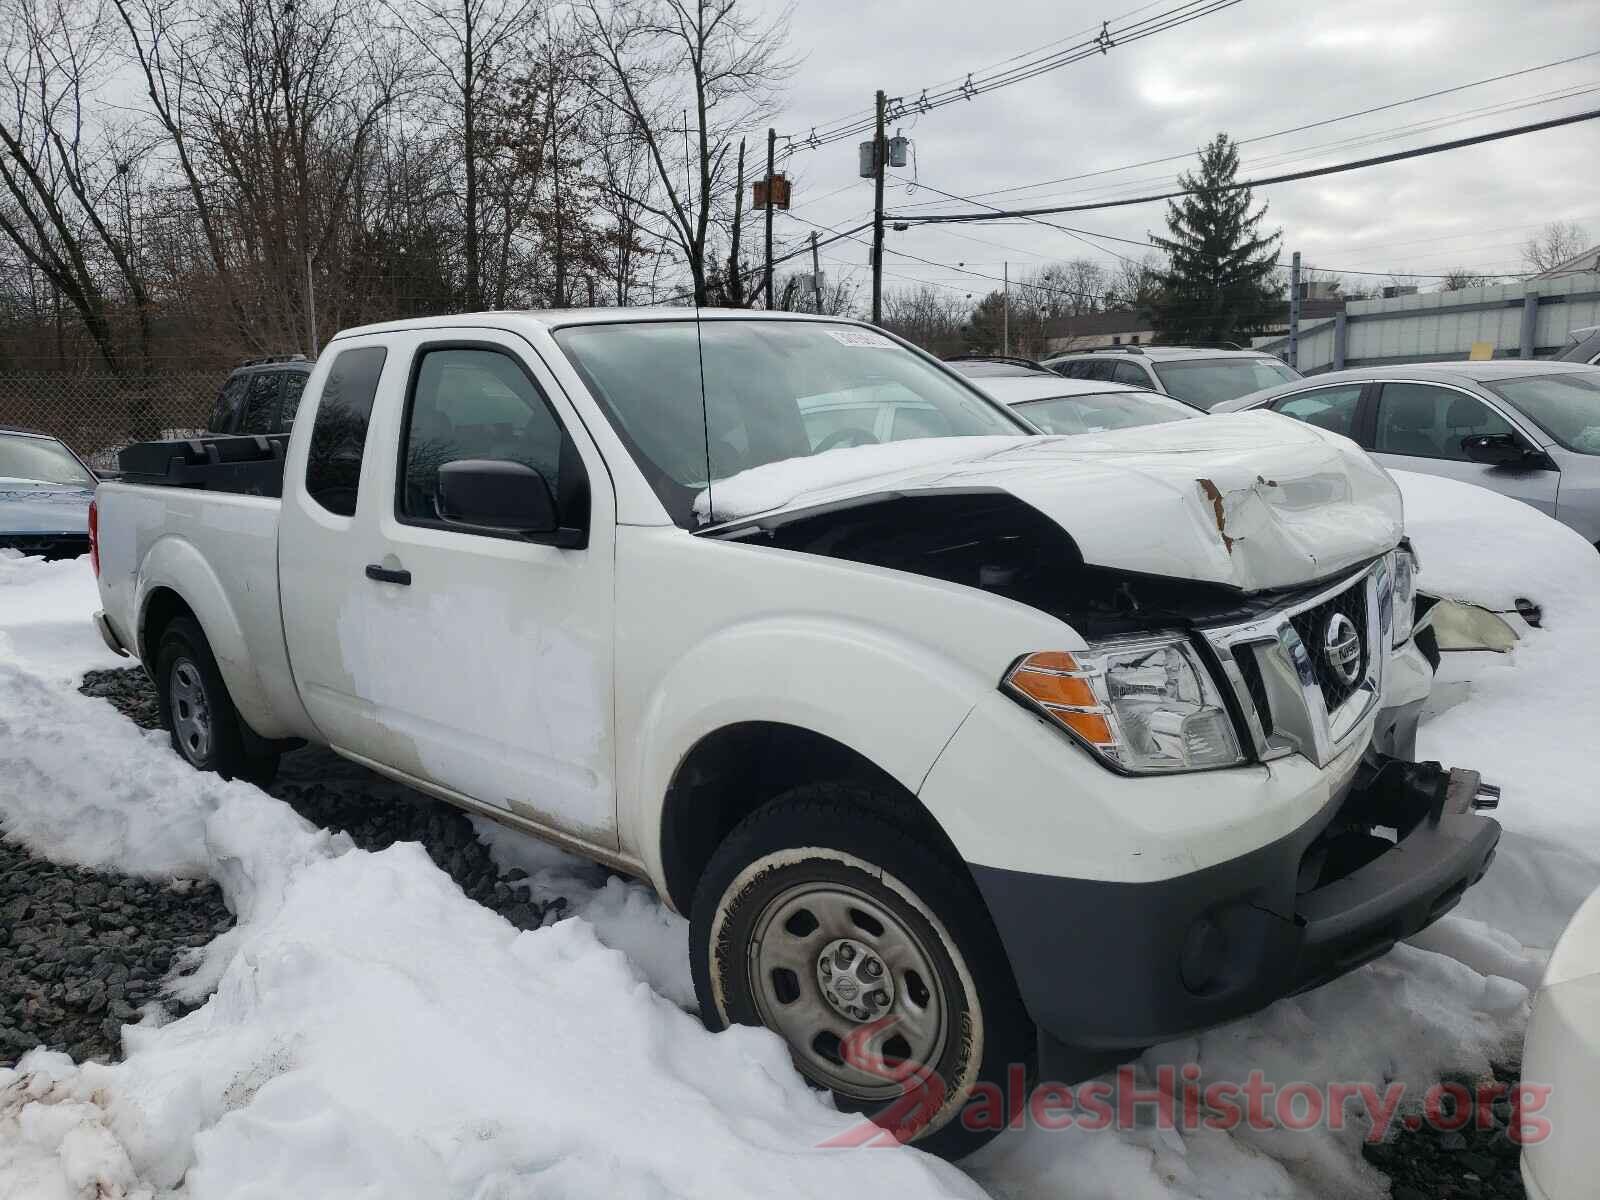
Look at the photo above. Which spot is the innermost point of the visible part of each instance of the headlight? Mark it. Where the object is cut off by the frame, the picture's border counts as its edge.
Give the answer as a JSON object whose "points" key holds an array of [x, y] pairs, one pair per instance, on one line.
{"points": [[1143, 704], [1405, 593]]}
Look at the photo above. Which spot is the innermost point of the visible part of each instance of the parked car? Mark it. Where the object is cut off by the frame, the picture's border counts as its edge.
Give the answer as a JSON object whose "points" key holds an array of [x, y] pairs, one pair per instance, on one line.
{"points": [[261, 396], [1585, 347], [879, 720], [1072, 406], [1526, 428], [990, 366], [1561, 1059], [45, 491], [1196, 375]]}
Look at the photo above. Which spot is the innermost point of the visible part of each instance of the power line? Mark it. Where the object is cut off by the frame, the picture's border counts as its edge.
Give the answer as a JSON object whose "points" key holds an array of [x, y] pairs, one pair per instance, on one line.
{"points": [[1290, 177], [975, 85], [1262, 137]]}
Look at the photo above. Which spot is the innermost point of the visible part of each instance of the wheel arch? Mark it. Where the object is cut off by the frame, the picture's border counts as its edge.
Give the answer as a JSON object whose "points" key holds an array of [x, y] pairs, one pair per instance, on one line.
{"points": [[736, 769]]}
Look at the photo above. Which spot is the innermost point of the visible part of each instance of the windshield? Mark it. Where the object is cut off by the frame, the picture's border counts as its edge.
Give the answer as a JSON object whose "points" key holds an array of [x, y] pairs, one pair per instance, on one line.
{"points": [[1583, 349], [1566, 406], [774, 390], [1100, 411], [1207, 382], [42, 460]]}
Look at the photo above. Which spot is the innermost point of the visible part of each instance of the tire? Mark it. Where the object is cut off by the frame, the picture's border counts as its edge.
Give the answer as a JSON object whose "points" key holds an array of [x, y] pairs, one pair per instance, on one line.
{"points": [[197, 712], [828, 870]]}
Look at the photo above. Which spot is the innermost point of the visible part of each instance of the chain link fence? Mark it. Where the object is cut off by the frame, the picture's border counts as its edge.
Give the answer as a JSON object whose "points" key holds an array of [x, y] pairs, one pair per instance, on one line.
{"points": [[97, 415]]}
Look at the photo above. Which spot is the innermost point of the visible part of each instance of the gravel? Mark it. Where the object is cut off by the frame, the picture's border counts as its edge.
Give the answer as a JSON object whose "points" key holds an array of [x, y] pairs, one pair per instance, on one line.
{"points": [[1426, 1163], [82, 953]]}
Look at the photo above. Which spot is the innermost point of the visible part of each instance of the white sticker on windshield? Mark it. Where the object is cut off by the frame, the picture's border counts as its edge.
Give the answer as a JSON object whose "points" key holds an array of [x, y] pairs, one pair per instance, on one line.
{"points": [[861, 337]]}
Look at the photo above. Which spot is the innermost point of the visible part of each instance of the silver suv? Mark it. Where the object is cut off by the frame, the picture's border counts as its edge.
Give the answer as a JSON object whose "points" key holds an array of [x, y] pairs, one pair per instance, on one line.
{"points": [[1525, 428], [1196, 375]]}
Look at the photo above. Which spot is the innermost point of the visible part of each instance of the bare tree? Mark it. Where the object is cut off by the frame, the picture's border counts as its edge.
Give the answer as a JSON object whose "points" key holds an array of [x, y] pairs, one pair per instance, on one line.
{"points": [[1461, 278], [1553, 245], [688, 76], [930, 317], [66, 206], [270, 112], [464, 40]]}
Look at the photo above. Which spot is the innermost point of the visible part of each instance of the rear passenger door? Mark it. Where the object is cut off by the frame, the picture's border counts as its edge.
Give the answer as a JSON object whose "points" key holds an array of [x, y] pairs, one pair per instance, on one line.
{"points": [[1420, 426], [1132, 374]]}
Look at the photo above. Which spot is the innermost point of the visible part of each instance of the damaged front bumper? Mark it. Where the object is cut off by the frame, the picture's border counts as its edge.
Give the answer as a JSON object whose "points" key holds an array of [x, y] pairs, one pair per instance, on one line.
{"points": [[1110, 967]]}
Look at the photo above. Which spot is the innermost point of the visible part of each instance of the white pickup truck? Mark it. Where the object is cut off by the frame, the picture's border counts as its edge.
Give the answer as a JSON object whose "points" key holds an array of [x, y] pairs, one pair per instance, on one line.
{"points": [[961, 749]]}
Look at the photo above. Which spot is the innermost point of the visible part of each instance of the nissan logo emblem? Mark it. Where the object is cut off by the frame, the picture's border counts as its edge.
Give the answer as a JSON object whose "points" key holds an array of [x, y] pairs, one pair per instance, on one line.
{"points": [[1341, 648]]}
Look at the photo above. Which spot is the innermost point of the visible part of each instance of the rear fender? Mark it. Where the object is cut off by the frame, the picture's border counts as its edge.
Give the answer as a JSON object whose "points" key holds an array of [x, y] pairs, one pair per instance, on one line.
{"points": [[177, 565]]}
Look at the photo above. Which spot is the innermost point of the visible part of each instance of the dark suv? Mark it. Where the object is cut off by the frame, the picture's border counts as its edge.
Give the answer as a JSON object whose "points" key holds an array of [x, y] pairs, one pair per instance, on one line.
{"points": [[261, 396]]}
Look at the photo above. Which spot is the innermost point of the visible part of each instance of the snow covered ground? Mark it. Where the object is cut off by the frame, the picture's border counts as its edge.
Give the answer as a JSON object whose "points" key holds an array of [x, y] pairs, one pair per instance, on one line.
{"points": [[373, 1032]]}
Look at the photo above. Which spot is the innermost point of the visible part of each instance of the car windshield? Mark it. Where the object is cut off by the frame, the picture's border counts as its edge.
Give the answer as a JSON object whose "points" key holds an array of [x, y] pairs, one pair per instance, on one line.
{"points": [[40, 460], [1207, 382], [773, 390], [1583, 348], [1100, 411], [1565, 406]]}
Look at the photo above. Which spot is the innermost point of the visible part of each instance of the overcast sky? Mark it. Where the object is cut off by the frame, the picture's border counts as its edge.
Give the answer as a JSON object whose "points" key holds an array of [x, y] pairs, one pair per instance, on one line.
{"points": [[1255, 68]]}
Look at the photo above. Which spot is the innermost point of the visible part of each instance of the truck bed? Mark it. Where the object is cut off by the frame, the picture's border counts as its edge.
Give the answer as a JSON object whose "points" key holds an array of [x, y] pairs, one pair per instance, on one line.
{"points": [[247, 464], [218, 551]]}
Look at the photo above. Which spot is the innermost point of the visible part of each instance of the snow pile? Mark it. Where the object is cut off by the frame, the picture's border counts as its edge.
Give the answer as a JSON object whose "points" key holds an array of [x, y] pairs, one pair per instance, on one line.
{"points": [[1480, 546], [372, 1032], [774, 485]]}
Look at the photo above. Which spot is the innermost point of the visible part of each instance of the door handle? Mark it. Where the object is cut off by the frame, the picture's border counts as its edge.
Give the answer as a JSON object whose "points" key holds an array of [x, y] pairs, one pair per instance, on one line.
{"points": [[386, 575]]}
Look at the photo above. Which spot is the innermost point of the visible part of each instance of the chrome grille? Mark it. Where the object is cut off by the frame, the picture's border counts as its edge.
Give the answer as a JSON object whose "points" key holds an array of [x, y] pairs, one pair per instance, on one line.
{"points": [[1293, 695], [1312, 626]]}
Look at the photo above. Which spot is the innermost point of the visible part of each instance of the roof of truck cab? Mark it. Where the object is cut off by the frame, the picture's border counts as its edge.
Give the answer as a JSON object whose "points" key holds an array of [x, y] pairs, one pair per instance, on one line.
{"points": [[556, 318]]}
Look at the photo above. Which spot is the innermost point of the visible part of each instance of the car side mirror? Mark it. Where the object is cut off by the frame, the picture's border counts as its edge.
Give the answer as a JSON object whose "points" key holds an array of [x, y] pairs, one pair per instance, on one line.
{"points": [[512, 497], [1497, 449]]}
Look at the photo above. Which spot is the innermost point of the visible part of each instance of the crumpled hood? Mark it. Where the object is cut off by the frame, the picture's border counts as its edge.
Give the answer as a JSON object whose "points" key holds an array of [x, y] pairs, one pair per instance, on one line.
{"points": [[1254, 500], [30, 507]]}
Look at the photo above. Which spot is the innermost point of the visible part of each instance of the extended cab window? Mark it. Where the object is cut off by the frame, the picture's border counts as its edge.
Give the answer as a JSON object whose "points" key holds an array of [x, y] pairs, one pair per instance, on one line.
{"points": [[471, 403], [763, 379], [339, 436]]}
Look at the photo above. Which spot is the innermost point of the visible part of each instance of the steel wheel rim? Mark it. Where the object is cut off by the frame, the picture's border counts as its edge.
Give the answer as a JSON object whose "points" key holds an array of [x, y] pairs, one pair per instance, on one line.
{"points": [[900, 1037], [191, 711]]}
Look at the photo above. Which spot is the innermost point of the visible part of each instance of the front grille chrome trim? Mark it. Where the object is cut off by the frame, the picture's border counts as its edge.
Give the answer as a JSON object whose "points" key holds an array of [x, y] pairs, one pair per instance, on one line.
{"points": [[1298, 719]]}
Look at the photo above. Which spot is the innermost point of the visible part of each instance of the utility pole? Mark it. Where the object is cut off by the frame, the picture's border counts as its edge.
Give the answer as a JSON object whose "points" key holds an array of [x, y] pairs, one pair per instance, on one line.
{"points": [[879, 156], [1005, 310], [772, 143], [735, 287], [311, 307], [1294, 311], [816, 272]]}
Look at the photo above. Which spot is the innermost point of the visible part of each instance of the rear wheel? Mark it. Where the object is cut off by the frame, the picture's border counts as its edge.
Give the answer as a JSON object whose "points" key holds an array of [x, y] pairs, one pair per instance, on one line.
{"points": [[830, 922], [198, 713]]}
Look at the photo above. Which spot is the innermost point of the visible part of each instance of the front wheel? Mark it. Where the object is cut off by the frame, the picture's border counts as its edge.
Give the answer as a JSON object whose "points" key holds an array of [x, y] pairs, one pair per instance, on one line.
{"points": [[825, 919], [197, 711]]}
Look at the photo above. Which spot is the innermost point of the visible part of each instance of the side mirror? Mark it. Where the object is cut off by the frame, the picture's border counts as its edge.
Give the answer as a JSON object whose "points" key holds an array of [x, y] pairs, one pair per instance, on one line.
{"points": [[491, 494], [1496, 449]]}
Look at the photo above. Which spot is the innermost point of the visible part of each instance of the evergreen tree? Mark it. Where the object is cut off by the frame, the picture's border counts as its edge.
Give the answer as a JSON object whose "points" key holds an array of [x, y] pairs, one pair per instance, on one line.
{"points": [[1220, 284]]}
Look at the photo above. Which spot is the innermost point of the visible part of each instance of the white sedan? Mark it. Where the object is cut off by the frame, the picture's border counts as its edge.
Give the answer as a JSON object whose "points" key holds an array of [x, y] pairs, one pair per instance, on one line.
{"points": [[1561, 1060], [1082, 405]]}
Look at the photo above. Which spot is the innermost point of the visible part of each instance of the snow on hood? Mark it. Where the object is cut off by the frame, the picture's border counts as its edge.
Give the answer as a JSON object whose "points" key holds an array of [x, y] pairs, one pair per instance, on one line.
{"points": [[1254, 500], [28, 506]]}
